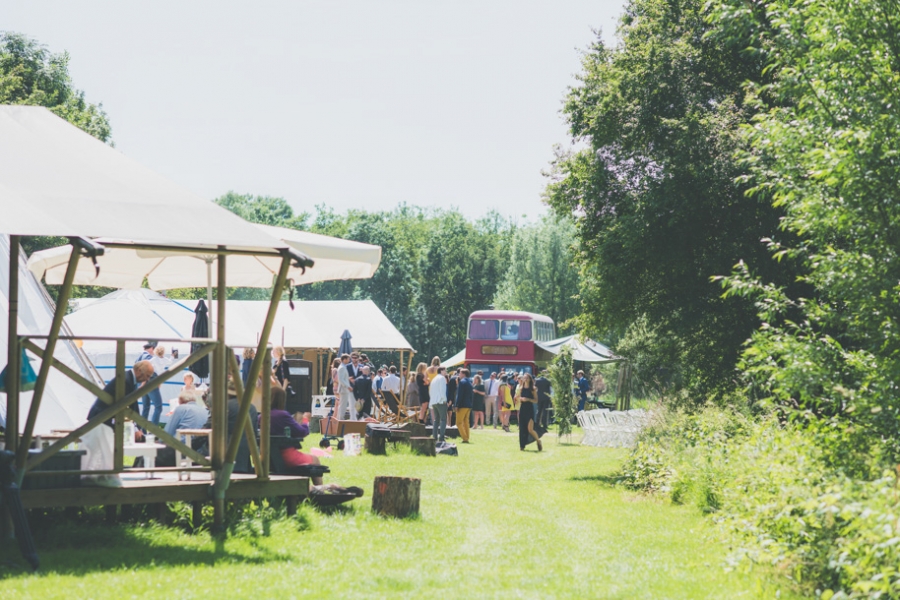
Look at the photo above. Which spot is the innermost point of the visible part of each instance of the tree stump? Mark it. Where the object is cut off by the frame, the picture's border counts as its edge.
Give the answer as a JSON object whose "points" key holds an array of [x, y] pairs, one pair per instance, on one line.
{"points": [[399, 436], [396, 496], [375, 445], [414, 429], [422, 445]]}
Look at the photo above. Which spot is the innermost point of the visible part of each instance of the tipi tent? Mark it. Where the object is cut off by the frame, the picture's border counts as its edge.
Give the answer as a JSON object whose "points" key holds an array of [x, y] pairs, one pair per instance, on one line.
{"points": [[65, 404]]}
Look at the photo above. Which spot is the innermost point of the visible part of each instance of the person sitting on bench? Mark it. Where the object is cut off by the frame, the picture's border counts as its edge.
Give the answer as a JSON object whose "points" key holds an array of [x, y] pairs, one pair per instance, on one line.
{"points": [[282, 421]]}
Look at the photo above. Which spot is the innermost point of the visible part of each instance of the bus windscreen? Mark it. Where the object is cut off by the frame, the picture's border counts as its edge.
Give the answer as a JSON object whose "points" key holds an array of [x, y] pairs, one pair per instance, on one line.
{"points": [[484, 330]]}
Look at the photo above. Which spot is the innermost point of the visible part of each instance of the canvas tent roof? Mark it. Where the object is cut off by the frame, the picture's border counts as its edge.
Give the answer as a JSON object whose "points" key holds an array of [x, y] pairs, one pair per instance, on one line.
{"points": [[312, 324], [587, 351], [57, 180], [315, 324], [455, 360], [65, 404], [335, 258]]}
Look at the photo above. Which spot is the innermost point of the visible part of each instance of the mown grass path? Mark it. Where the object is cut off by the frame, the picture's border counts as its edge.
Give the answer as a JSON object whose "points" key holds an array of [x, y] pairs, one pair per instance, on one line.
{"points": [[495, 523]]}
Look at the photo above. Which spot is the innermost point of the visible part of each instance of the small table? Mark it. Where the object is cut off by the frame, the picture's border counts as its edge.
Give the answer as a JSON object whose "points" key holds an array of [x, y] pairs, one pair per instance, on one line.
{"points": [[148, 451], [188, 434]]}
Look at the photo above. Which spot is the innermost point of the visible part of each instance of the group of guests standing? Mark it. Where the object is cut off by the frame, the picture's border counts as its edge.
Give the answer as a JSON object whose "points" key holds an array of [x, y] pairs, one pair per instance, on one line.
{"points": [[473, 399]]}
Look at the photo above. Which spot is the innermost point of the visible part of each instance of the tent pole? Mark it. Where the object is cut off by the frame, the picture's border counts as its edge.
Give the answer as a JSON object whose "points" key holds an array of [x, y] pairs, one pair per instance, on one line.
{"points": [[402, 381], [220, 407], [13, 368], [265, 428], [40, 385], [209, 303]]}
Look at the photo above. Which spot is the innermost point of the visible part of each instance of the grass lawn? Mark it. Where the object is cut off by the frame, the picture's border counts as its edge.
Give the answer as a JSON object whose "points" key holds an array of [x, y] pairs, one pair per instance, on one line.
{"points": [[495, 522]]}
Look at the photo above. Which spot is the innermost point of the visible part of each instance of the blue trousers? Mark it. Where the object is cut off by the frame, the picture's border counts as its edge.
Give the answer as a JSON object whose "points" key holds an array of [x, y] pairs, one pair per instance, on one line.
{"points": [[438, 420], [154, 398]]}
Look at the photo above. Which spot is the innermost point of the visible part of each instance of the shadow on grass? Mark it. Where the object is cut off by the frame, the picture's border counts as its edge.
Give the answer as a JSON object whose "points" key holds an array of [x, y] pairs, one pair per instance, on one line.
{"points": [[608, 479], [80, 549]]}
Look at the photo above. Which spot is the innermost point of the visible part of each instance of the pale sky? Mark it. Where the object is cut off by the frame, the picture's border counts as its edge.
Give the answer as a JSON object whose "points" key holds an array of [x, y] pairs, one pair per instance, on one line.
{"points": [[351, 104]]}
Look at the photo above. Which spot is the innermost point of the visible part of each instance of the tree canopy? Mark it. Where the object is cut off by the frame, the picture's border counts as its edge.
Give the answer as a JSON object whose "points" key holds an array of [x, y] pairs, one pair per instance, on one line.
{"points": [[654, 191], [31, 74]]}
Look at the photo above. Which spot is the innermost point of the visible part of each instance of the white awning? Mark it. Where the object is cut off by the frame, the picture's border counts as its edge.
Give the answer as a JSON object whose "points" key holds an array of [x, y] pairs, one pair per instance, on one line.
{"points": [[587, 351], [57, 180], [455, 360], [127, 268], [335, 258]]}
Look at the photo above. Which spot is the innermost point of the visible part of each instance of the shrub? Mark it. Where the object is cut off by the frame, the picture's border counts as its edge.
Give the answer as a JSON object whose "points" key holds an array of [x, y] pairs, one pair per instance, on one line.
{"points": [[775, 486]]}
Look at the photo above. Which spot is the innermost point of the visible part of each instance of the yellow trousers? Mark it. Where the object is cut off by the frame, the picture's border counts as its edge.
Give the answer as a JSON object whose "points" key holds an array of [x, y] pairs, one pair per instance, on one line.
{"points": [[462, 422]]}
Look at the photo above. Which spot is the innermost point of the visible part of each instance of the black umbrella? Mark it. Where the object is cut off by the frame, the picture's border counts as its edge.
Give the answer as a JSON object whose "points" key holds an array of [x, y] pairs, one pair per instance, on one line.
{"points": [[200, 330], [346, 347]]}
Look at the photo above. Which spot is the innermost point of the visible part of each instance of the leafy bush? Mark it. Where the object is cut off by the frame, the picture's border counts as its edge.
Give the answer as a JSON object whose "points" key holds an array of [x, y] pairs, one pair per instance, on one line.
{"points": [[774, 486]]}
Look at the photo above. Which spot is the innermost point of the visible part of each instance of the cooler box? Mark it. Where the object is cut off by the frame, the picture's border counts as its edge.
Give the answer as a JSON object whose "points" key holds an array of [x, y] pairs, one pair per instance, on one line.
{"points": [[64, 460]]}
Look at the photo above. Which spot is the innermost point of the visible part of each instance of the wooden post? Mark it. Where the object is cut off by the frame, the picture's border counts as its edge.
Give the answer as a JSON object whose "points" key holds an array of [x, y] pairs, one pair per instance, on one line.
{"points": [[400, 436], [265, 429], [396, 496], [196, 515], [375, 445], [414, 429], [52, 337], [423, 446], [220, 407], [119, 429], [13, 353]]}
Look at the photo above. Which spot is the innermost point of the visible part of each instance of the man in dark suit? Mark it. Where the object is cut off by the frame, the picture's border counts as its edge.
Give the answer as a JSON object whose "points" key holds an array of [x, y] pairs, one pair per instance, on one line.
{"points": [[354, 368], [543, 399], [141, 372], [362, 389]]}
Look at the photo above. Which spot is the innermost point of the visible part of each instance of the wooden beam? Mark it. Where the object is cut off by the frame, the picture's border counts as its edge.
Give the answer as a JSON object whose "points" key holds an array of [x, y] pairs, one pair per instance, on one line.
{"points": [[69, 372], [113, 409], [169, 440], [151, 491], [247, 430], [219, 378], [256, 366], [40, 385]]}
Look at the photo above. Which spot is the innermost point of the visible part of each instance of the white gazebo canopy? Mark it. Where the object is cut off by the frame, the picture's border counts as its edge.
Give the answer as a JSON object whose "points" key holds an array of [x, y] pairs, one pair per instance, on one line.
{"points": [[335, 258], [57, 180]]}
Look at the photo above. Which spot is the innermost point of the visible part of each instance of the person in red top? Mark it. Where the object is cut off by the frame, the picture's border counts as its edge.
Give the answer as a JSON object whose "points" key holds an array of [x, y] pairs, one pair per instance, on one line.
{"points": [[282, 421]]}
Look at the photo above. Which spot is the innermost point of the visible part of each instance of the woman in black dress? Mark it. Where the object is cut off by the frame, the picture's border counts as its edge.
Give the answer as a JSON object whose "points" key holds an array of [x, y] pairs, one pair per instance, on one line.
{"points": [[529, 431], [478, 404], [422, 381]]}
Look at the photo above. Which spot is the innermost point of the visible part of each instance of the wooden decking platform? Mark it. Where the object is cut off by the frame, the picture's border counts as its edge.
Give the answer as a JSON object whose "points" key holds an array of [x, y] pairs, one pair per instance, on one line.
{"points": [[166, 488]]}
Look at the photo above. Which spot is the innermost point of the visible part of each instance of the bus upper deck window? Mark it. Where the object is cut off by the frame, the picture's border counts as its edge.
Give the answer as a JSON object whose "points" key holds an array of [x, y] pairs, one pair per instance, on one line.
{"points": [[483, 330]]}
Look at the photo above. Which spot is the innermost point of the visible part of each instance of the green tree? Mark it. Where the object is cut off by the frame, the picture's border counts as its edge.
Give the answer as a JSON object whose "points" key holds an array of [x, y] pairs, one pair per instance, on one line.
{"points": [[542, 276], [654, 195], [267, 210], [31, 74], [561, 373], [826, 151]]}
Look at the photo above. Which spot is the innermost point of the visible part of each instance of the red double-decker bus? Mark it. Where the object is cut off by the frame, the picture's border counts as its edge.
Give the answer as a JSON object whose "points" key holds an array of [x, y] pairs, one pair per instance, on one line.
{"points": [[504, 340]]}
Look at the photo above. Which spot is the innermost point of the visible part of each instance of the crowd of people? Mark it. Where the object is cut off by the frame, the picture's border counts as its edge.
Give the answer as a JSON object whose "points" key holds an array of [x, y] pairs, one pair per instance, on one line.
{"points": [[461, 398], [470, 401]]}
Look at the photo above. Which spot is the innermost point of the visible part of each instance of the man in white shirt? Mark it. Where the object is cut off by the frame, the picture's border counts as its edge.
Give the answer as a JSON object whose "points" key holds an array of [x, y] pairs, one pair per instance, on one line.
{"points": [[437, 389], [491, 391], [347, 398], [391, 383]]}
